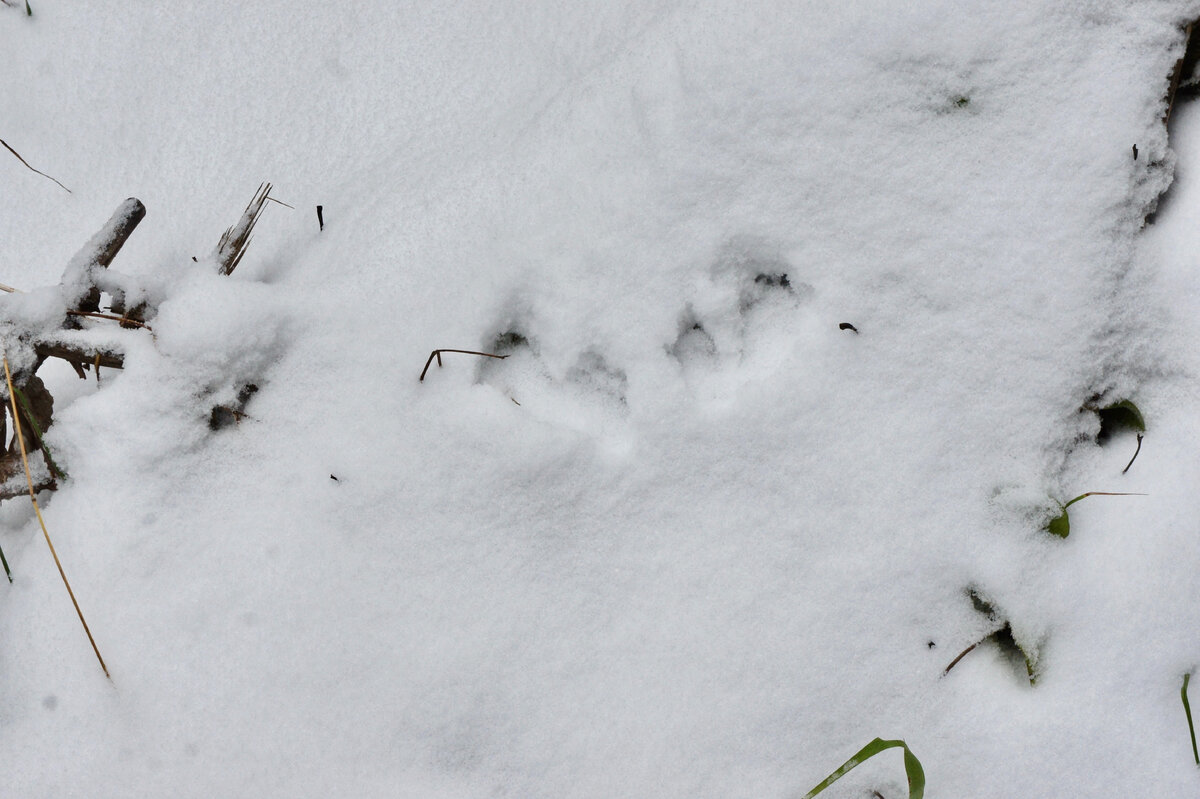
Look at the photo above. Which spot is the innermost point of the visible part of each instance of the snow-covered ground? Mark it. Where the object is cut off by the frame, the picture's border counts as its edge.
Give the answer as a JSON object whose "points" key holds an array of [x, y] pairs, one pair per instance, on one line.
{"points": [[692, 538]]}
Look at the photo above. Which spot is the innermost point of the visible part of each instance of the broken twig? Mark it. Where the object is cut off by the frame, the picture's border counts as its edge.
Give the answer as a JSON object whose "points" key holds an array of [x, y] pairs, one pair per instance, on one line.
{"points": [[438, 354]]}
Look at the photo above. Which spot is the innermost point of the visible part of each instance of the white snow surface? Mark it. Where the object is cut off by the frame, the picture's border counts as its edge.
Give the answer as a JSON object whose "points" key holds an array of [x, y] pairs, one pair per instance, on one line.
{"points": [[691, 539]]}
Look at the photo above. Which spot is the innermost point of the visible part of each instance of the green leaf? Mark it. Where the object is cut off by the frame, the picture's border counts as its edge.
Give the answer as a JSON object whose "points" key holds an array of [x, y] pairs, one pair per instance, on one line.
{"points": [[912, 768], [1060, 525], [1121, 415], [1006, 639], [1187, 709]]}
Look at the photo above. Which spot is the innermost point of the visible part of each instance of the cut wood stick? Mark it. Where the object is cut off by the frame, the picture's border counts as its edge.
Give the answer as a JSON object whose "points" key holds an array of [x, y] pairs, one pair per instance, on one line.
{"points": [[31, 169], [12, 396], [100, 251], [103, 247]]}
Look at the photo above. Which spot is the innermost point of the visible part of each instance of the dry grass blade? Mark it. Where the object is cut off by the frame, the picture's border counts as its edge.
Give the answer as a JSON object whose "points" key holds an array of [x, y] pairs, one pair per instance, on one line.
{"points": [[31, 169], [236, 239], [12, 396]]}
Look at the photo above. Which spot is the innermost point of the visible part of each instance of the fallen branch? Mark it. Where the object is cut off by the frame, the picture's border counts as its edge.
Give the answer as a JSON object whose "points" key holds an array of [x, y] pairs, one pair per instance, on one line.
{"points": [[79, 356], [99, 252]]}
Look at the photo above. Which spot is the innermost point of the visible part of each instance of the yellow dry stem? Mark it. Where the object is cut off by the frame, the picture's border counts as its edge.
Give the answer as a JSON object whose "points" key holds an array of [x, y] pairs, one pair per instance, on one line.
{"points": [[12, 396]]}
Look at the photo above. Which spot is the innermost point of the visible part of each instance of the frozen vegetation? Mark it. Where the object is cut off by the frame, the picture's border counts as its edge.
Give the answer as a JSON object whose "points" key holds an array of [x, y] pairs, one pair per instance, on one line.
{"points": [[808, 309]]}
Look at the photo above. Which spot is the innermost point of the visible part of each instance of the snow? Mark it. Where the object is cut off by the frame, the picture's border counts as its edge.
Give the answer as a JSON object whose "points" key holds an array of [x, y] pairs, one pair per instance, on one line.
{"points": [[691, 538]]}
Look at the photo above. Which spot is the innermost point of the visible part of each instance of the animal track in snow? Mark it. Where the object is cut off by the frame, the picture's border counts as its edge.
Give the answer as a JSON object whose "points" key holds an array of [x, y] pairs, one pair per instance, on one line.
{"points": [[589, 396], [740, 308]]}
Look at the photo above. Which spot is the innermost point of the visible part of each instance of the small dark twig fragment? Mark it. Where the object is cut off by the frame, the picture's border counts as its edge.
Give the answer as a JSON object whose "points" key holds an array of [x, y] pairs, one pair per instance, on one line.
{"points": [[438, 354], [847, 326], [321, 216], [1135, 454], [333, 477], [26, 163], [1135, 152]]}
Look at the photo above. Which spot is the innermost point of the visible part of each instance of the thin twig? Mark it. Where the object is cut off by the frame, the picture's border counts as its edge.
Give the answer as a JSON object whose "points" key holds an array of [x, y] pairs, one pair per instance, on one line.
{"points": [[26, 163], [1135, 454], [9, 289], [964, 653], [124, 320], [438, 354], [12, 396], [281, 202]]}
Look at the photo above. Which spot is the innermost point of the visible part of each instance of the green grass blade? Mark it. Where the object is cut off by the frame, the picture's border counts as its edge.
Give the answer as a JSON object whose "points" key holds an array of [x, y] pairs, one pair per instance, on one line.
{"points": [[38, 430], [912, 768], [1187, 709], [8, 574]]}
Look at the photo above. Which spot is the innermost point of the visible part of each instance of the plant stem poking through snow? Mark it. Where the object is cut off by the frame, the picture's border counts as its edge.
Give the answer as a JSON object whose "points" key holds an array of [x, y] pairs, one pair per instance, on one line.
{"points": [[1135, 454], [1061, 525], [438, 354], [321, 217], [4, 562], [26, 163], [962, 655], [12, 396], [1187, 709]]}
